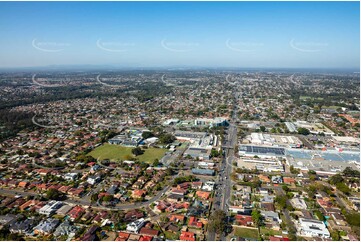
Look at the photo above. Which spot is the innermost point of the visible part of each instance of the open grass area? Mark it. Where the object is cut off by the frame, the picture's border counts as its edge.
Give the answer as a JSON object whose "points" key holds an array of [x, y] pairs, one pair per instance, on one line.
{"points": [[249, 233], [117, 152], [266, 231], [311, 98], [171, 236]]}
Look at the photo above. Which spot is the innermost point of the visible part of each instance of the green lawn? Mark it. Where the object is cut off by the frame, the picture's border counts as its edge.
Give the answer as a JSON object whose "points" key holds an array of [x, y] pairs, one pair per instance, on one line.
{"points": [[249, 233], [270, 231], [117, 152], [170, 235]]}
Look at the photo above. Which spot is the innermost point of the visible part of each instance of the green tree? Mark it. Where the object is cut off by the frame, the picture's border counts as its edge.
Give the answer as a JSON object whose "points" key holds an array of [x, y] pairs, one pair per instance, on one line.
{"points": [[147, 135], [343, 188], [53, 194], [303, 131], [262, 128], [156, 162], [217, 221], [256, 217], [166, 138], [137, 151]]}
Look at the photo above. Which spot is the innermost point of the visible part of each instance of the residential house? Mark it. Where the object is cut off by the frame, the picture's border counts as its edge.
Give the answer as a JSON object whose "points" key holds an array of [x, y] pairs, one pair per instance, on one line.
{"points": [[47, 226], [187, 236], [65, 228], [76, 213]]}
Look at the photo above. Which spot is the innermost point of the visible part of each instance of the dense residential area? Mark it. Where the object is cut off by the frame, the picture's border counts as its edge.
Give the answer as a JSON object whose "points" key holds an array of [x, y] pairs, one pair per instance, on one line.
{"points": [[179, 155]]}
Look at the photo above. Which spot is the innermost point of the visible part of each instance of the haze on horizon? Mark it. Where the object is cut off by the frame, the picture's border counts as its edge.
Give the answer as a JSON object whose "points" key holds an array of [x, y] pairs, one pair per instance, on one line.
{"points": [[161, 34]]}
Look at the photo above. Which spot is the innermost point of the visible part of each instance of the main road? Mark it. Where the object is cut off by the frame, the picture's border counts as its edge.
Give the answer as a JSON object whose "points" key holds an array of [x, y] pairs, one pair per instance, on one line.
{"points": [[223, 183]]}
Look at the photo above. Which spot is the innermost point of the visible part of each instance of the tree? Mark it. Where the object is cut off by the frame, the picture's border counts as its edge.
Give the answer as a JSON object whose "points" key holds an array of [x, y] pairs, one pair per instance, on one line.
{"points": [[349, 172], [336, 179], [94, 197], [335, 235], [282, 201], [147, 134], [217, 221], [262, 128], [343, 188], [303, 131], [137, 151], [53, 194], [256, 217], [156, 162], [166, 138], [319, 215]]}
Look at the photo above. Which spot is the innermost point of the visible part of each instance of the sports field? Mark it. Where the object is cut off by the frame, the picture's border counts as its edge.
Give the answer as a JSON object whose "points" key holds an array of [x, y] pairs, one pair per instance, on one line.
{"points": [[117, 152]]}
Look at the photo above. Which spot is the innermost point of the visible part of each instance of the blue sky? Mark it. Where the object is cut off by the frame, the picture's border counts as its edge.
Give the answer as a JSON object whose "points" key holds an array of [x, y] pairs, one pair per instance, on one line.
{"points": [[161, 34]]}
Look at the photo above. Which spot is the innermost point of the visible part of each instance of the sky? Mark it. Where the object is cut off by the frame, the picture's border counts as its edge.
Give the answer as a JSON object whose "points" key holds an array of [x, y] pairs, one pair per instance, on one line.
{"points": [[189, 34]]}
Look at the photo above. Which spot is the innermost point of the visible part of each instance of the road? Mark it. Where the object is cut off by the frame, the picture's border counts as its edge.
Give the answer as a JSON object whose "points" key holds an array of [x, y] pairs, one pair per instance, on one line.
{"points": [[223, 183]]}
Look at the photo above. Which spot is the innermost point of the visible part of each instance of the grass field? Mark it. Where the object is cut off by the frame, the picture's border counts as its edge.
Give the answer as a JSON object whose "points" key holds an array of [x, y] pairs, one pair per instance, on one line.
{"points": [[270, 231], [248, 233], [117, 152], [312, 98]]}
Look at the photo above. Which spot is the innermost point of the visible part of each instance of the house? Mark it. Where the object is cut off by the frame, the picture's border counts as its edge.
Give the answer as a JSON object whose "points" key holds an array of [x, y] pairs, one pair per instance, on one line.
{"points": [[134, 237], [133, 215], [90, 234], [122, 236], [178, 218], [175, 198], [92, 180], [184, 185], [13, 183], [208, 186], [22, 227], [203, 195], [46, 227], [289, 180], [196, 185], [138, 194], [87, 216], [100, 217], [64, 189], [276, 179], [193, 222], [312, 228], [71, 176], [146, 238], [278, 238], [244, 220], [264, 178], [324, 202], [171, 228], [23, 184], [179, 191], [64, 210], [267, 206], [149, 232], [271, 216], [298, 203], [187, 236], [135, 226], [50, 208], [76, 192], [65, 228], [76, 213]]}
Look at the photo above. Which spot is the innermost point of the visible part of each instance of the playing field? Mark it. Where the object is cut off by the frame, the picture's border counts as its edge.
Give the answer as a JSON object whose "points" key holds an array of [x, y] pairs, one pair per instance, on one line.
{"points": [[117, 152]]}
